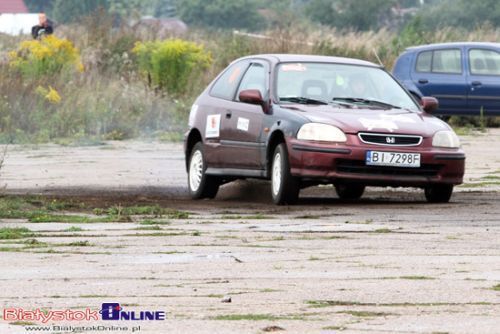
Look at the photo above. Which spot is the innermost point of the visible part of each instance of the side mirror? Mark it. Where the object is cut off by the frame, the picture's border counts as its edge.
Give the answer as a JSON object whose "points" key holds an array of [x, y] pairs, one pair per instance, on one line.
{"points": [[429, 104], [252, 96]]}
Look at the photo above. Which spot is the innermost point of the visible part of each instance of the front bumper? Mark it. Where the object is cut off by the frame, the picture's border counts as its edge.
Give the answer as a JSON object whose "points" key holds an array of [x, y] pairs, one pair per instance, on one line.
{"points": [[331, 162]]}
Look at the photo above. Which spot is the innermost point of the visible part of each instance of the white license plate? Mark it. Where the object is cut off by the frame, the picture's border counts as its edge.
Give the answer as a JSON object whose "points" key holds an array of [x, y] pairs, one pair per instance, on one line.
{"points": [[395, 159]]}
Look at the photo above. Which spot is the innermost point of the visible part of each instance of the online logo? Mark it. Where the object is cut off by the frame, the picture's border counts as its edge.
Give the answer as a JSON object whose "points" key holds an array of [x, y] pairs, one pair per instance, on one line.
{"points": [[113, 311]]}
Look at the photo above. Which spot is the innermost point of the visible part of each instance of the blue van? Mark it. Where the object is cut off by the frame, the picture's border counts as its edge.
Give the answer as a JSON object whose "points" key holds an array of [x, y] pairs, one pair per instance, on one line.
{"points": [[464, 77]]}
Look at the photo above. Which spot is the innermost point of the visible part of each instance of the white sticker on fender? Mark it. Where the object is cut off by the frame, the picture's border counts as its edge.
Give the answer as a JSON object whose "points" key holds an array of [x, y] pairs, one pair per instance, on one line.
{"points": [[212, 129], [243, 124]]}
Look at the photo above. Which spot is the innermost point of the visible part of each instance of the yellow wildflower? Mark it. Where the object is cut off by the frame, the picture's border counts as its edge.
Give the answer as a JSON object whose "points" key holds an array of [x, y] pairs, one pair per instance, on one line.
{"points": [[53, 96]]}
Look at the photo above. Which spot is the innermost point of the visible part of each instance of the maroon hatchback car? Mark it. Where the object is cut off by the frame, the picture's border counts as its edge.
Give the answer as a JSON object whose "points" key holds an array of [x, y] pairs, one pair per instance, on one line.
{"points": [[302, 120]]}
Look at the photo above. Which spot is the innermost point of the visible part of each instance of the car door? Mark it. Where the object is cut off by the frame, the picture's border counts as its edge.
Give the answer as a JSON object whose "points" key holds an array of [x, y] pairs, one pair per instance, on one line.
{"points": [[484, 81], [219, 102], [440, 73], [242, 125]]}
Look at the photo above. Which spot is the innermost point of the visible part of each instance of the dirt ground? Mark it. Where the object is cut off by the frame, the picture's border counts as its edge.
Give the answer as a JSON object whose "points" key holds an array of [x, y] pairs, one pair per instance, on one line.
{"points": [[390, 263]]}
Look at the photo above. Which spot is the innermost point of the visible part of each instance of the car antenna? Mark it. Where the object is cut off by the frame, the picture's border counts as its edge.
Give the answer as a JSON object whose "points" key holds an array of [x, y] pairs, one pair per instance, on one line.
{"points": [[378, 58]]}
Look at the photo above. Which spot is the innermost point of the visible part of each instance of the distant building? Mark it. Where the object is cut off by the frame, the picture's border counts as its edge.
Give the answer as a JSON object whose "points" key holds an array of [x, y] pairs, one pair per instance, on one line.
{"points": [[15, 18], [13, 7]]}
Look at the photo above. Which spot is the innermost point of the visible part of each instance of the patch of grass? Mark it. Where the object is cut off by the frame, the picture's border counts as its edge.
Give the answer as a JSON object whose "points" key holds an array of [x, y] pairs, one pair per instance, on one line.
{"points": [[365, 314], [266, 290], [149, 228], [154, 222], [73, 229], [43, 217], [417, 277], [142, 210], [313, 258], [170, 252], [382, 230], [491, 177], [157, 234], [83, 243], [496, 287], [328, 303], [10, 233], [479, 184]]}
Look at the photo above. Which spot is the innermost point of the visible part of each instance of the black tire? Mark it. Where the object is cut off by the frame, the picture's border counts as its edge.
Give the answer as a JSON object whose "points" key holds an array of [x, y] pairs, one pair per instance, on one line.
{"points": [[285, 188], [204, 186], [438, 193], [349, 191]]}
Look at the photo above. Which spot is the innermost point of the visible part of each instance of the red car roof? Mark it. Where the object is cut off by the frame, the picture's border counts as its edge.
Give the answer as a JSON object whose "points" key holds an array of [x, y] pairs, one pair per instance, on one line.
{"points": [[13, 7]]}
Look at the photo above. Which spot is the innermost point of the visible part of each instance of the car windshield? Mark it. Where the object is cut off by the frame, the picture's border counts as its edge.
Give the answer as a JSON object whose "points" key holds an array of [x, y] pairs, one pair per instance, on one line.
{"points": [[348, 85]]}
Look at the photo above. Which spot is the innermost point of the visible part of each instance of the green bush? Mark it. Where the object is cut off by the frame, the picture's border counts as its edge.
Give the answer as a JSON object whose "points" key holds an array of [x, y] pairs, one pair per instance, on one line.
{"points": [[169, 65]]}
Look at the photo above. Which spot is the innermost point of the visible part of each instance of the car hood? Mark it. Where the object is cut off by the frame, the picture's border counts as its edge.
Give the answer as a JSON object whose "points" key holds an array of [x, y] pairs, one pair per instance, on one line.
{"points": [[354, 120]]}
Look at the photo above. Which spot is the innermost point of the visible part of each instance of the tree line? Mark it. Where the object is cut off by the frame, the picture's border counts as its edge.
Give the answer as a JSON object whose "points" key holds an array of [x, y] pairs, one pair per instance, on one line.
{"points": [[254, 15]]}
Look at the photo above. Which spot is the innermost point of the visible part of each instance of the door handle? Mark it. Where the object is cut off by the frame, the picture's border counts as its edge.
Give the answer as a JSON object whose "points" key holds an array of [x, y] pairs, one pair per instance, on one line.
{"points": [[476, 83], [228, 114], [423, 81]]}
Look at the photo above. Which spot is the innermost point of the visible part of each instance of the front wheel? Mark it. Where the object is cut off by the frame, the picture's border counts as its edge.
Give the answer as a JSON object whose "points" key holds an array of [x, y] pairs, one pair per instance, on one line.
{"points": [[200, 184], [438, 193], [284, 187]]}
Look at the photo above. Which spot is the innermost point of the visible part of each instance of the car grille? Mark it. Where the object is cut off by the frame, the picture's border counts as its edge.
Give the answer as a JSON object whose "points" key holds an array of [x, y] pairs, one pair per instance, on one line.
{"points": [[359, 167], [389, 139]]}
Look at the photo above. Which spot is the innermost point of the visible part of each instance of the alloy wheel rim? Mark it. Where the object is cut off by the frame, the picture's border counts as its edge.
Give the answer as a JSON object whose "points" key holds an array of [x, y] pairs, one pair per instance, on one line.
{"points": [[195, 171]]}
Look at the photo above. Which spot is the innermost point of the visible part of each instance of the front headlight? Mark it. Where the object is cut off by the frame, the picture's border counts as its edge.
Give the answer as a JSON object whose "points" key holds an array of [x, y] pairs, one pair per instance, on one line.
{"points": [[446, 139], [321, 132]]}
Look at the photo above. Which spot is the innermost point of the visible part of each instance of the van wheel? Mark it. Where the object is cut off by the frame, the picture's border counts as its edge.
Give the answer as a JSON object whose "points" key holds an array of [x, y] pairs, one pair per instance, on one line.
{"points": [[284, 187], [349, 191], [200, 184], [438, 193]]}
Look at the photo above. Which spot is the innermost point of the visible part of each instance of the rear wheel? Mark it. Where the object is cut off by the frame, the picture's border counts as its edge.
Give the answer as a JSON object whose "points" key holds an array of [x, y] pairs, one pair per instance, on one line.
{"points": [[200, 184], [349, 191], [438, 193], [284, 187]]}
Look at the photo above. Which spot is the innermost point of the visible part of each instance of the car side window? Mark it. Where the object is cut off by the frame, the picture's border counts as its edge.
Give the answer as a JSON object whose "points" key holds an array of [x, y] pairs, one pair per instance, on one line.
{"points": [[440, 61], [484, 62], [424, 61], [255, 78], [447, 61], [227, 83]]}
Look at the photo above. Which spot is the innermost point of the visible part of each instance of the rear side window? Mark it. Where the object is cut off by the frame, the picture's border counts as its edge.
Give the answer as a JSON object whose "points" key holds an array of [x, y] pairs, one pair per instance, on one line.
{"points": [[484, 62], [424, 61], [440, 61], [226, 85]]}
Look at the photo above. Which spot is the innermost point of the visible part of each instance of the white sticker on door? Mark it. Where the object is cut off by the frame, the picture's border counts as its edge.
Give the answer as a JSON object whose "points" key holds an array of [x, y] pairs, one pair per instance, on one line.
{"points": [[212, 129], [243, 124]]}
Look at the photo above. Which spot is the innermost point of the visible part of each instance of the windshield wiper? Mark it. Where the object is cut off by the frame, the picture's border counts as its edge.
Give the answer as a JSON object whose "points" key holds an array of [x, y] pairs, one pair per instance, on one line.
{"points": [[302, 100], [358, 100]]}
